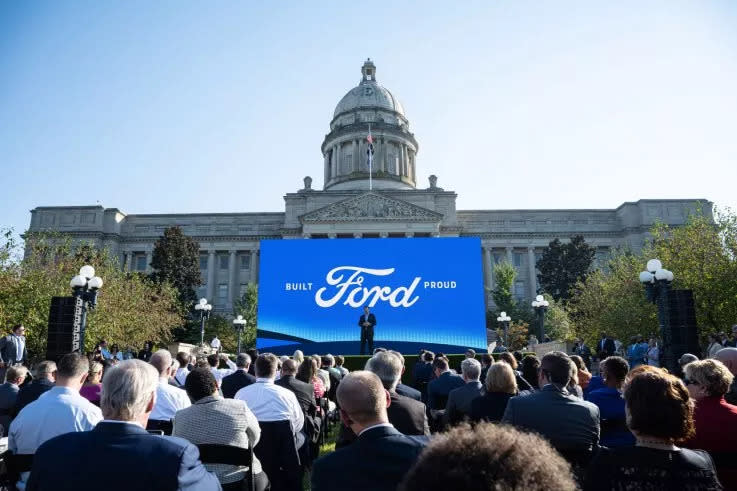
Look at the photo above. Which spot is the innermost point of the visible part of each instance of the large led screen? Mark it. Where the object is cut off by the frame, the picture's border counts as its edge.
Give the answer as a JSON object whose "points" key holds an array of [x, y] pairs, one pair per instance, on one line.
{"points": [[423, 292]]}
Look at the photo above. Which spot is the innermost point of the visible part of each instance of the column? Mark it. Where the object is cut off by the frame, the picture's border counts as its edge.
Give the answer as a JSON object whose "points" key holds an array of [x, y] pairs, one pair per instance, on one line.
{"points": [[510, 257], [381, 160], [531, 272], [129, 261], [254, 267], [355, 162], [488, 279], [149, 258], [336, 155], [210, 275], [233, 277]]}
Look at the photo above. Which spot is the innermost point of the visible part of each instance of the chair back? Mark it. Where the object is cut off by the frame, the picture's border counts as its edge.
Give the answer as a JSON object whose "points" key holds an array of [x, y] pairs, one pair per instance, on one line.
{"points": [[229, 455], [15, 464], [160, 425], [277, 452]]}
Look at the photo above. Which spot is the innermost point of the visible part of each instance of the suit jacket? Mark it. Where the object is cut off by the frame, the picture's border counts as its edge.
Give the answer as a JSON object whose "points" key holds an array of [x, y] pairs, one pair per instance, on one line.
{"points": [[306, 397], [407, 391], [438, 389], [9, 352], [371, 320], [606, 347], [422, 372], [150, 462], [459, 402], [376, 461], [568, 422], [30, 392], [490, 406], [408, 416], [8, 396], [234, 382]]}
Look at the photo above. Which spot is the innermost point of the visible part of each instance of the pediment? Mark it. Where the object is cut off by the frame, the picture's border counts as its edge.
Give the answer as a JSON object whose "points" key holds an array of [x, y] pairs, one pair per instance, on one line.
{"points": [[371, 207]]}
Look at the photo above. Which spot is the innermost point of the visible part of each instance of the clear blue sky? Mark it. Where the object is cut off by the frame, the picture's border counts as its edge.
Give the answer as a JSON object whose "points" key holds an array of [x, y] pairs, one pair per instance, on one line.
{"points": [[156, 107]]}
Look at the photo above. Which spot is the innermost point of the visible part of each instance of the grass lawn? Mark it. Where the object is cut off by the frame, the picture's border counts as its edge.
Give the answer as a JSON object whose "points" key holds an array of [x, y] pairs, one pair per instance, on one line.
{"points": [[326, 448]]}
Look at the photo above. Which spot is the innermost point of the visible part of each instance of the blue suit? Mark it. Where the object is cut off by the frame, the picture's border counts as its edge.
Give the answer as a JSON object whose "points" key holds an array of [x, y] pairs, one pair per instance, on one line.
{"points": [[439, 389], [139, 459]]}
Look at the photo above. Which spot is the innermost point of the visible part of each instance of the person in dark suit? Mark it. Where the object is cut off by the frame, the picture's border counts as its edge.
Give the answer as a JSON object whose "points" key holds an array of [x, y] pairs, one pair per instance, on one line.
{"points": [[402, 389], [569, 423], [605, 347], [445, 381], [240, 378], [367, 322], [14, 376], [458, 407], [381, 455], [407, 415], [305, 396], [13, 348], [120, 442], [45, 377]]}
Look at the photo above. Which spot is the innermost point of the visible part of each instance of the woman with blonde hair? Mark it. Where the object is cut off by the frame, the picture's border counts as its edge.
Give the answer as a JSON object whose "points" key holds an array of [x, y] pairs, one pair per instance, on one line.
{"points": [[93, 385], [298, 356], [501, 385]]}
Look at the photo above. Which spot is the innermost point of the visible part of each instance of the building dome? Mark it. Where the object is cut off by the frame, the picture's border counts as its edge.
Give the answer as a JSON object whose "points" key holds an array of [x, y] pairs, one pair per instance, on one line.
{"points": [[369, 108]]}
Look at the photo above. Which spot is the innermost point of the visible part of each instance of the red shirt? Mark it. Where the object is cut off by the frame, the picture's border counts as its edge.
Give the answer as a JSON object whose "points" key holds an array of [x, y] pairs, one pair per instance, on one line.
{"points": [[716, 431]]}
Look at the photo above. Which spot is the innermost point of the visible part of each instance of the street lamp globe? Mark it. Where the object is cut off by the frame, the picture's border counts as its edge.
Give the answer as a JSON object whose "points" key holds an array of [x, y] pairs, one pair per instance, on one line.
{"points": [[87, 271], [78, 282], [653, 265], [95, 282]]}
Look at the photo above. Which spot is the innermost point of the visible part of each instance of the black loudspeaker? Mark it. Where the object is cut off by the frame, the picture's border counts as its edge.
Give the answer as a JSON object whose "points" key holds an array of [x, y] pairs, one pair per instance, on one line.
{"points": [[61, 335], [684, 333]]}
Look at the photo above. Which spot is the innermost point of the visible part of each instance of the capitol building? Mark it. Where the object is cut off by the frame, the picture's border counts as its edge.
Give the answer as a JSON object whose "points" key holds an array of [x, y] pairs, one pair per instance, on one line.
{"points": [[356, 203]]}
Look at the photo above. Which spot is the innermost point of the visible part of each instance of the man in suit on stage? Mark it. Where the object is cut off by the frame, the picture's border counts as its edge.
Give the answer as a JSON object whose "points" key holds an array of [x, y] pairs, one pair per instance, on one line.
{"points": [[381, 455], [120, 442], [367, 323]]}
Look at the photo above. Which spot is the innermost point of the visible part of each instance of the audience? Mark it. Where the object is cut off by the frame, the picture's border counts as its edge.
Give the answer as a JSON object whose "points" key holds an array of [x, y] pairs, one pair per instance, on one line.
{"points": [[609, 400], [322, 373], [715, 421], [653, 353], [584, 376], [180, 375], [240, 378], [211, 419], [573, 388], [569, 423], [445, 381], [522, 383], [219, 373], [169, 399], [530, 367], [381, 455], [61, 410], [305, 393], [298, 356], [407, 415], [43, 380], [486, 361], [660, 414], [402, 389], [458, 406], [500, 385], [339, 361], [488, 457], [307, 373], [93, 385], [14, 377], [118, 454], [728, 356], [713, 346], [423, 371]]}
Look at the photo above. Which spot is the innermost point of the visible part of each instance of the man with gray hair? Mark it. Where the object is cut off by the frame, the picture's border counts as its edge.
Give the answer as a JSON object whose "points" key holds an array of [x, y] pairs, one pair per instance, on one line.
{"points": [[169, 399], [728, 356], [240, 378], [381, 455], [61, 410], [121, 443], [407, 415], [458, 406], [44, 377]]}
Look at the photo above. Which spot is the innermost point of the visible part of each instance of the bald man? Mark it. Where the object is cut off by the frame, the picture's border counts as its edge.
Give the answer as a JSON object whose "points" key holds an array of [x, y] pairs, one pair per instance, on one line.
{"points": [[728, 356], [381, 456]]}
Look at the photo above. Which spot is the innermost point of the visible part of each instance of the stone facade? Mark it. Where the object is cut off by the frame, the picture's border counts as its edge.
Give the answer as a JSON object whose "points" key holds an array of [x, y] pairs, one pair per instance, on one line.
{"points": [[347, 208]]}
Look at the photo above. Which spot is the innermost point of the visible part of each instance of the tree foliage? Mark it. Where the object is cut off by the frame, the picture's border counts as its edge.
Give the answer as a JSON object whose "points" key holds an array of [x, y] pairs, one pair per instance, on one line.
{"points": [[176, 260], [130, 308], [562, 265], [247, 306], [503, 294], [518, 334], [558, 326]]}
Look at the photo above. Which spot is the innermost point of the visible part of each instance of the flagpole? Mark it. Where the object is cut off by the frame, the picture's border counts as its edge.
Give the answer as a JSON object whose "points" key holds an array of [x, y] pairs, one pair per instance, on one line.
{"points": [[370, 160]]}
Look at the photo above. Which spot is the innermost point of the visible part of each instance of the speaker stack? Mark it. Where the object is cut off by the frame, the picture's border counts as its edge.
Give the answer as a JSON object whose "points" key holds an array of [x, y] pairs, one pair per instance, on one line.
{"points": [[61, 333], [684, 333]]}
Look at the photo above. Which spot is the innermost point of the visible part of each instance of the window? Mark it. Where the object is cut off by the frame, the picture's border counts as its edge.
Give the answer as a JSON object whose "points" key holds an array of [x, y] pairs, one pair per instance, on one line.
{"points": [[222, 293], [246, 261], [517, 257], [244, 287], [203, 263], [140, 263], [519, 289], [223, 261], [498, 258]]}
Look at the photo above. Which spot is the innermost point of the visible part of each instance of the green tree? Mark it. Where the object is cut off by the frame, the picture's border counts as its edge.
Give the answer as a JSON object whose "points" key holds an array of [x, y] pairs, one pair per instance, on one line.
{"points": [[504, 274], [176, 260], [558, 325], [247, 306], [130, 308], [562, 265], [518, 334]]}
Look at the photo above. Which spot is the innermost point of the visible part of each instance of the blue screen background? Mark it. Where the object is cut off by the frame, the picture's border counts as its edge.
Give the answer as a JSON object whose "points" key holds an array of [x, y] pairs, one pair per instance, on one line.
{"points": [[451, 319]]}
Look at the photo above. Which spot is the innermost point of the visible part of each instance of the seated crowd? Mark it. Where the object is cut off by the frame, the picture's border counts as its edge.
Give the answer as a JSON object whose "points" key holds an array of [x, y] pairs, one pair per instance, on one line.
{"points": [[514, 422]]}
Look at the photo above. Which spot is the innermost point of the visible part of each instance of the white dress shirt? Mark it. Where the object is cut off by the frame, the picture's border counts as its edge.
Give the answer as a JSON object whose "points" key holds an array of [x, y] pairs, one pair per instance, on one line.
{"points": [[181, 376], [219, 373], [20, 345], [270, 402], [169, 400], [57, 411]]}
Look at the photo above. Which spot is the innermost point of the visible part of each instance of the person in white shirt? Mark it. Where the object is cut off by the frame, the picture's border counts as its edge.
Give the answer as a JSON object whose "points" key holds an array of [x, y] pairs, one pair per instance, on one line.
{"points": [[214, 361], [180, 376], [215, 344], [169, 399], [270, 402], [57, 411]]}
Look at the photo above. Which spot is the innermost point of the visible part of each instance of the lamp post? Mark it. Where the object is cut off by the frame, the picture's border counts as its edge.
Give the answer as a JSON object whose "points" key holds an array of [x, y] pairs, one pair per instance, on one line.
{"points": [[504, 319], [204, 309], [239, 323], [84, 289], [541, 306], [657, 281]]}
